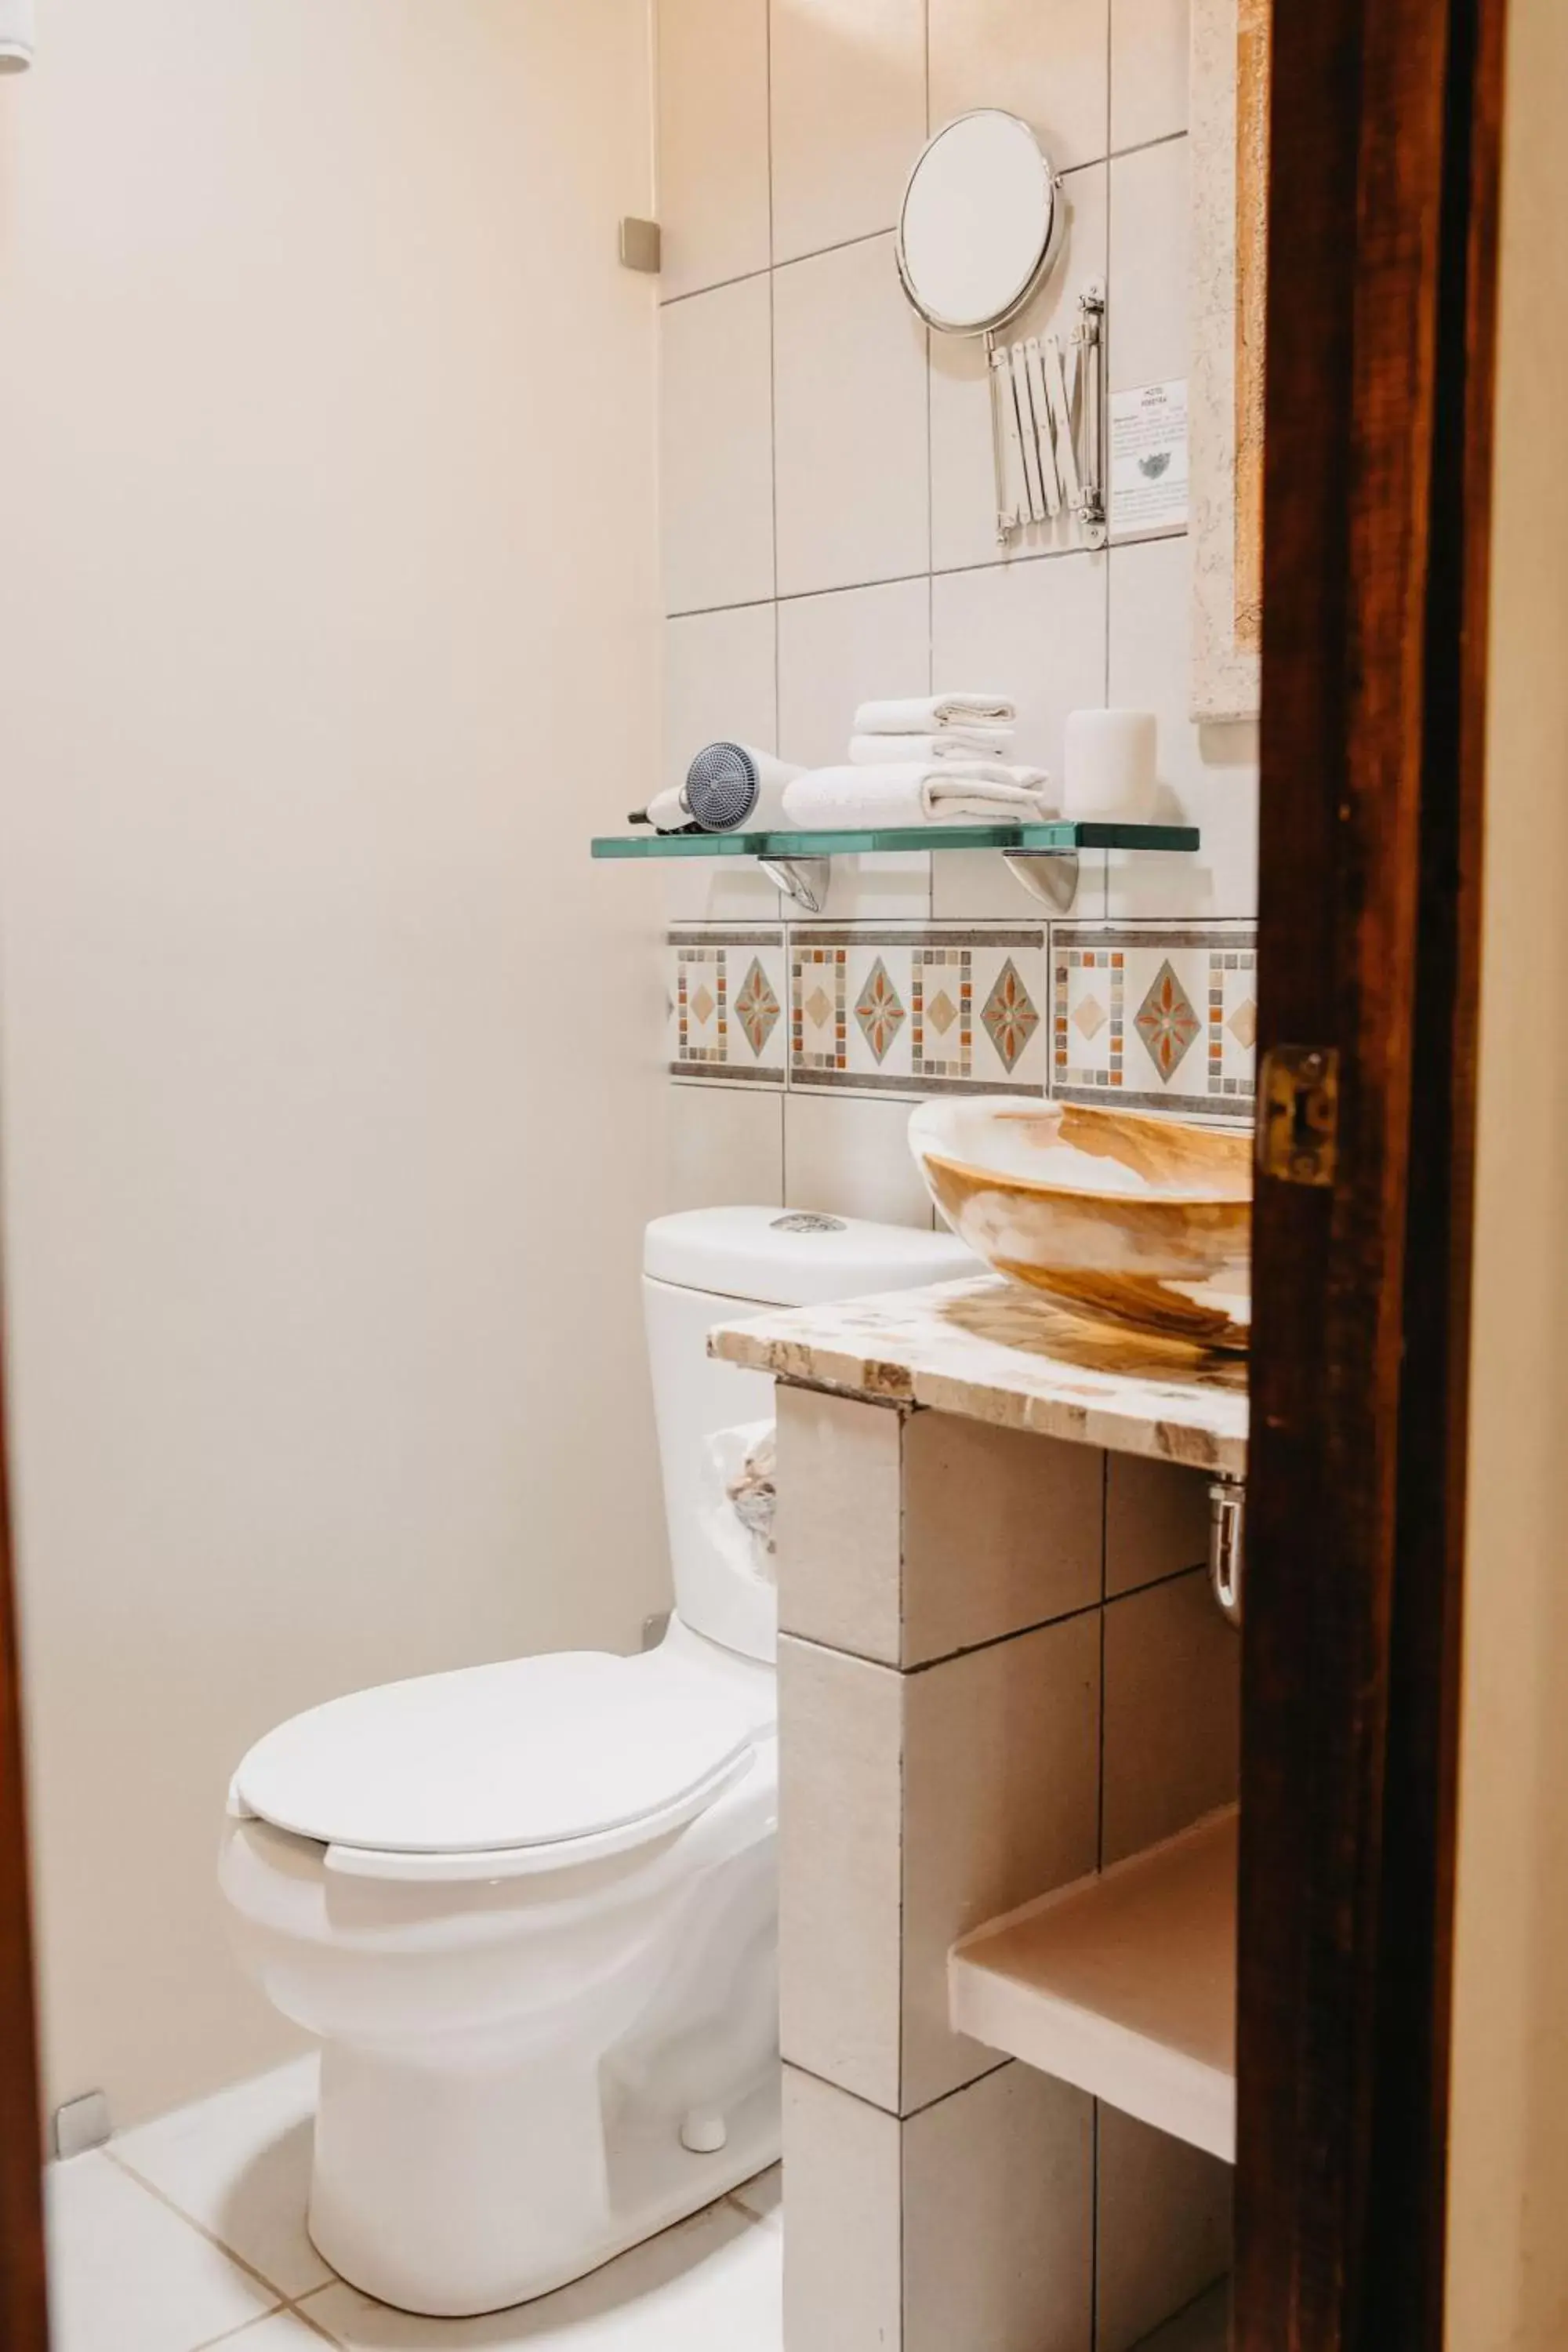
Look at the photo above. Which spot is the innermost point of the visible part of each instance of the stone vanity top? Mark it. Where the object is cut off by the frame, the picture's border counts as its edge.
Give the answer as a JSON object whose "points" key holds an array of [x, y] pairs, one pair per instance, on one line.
{"points": [[987, 1350]]}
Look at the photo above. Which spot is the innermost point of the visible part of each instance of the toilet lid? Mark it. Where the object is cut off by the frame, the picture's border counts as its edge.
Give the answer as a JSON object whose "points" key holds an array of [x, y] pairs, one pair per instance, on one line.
{"points": [[532, 1752]]}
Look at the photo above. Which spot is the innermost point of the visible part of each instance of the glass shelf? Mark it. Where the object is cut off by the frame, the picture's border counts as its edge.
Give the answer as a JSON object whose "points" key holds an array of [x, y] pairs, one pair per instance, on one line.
{"points": [[1040, 840]]}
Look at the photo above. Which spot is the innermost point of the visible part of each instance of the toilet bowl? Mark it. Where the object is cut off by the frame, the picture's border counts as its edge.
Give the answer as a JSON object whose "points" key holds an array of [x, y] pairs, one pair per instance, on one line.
{"points": [[530, 1909]]}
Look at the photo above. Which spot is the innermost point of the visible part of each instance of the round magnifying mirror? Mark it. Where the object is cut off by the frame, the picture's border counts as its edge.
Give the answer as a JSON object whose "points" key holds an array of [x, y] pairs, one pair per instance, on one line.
{"points": [[979, 226]]}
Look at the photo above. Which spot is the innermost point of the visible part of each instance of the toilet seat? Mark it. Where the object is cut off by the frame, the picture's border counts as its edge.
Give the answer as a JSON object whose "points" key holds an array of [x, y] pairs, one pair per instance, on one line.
{"points": [[535, 1764]]}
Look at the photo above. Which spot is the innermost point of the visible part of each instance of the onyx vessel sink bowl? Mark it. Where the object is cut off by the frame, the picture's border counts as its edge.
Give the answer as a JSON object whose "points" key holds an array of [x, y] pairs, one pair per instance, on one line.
{"points": [[1119, 1215]]}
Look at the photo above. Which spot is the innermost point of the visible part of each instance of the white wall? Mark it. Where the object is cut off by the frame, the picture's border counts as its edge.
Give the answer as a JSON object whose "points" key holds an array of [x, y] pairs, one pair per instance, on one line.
{"points": [[327, 635], [1508, 2178]]}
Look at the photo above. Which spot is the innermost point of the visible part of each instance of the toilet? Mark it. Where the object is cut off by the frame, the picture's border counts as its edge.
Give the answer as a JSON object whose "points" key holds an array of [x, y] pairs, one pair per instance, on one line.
{"points": [[530, 1909]]}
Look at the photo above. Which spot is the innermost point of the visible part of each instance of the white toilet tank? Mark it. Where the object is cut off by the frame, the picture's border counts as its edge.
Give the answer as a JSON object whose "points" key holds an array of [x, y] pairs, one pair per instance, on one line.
{"points": [[709, 1265]]}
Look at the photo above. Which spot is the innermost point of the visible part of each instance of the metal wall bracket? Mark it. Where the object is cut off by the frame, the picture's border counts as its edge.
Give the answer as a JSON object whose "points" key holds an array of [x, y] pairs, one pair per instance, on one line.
{"points": [[1047, 426], [1088, 342], [1048, 875], [804, 879]]}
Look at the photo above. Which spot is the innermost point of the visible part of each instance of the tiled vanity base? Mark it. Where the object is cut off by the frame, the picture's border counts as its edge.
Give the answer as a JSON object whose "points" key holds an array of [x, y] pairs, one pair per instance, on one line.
{"points": [[1000, 1669]]}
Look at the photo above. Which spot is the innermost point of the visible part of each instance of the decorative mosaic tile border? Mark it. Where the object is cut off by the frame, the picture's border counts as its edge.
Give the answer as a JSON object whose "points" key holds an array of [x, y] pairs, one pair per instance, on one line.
{"points": [[919, 1009], [726, 993], [1159, 1016]]}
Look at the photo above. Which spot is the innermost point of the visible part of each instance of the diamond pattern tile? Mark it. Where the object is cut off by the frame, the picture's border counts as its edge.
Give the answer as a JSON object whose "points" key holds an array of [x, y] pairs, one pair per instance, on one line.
{"points": [[757, 1007], [880, 1011], [1009, 1015], [1167, 1022]]}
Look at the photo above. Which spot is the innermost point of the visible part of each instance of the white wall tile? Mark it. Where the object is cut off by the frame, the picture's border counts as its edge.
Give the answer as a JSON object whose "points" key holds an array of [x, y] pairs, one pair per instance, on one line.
{"points": [[1034, 631], [854, 502], [1172, 1714], [724, 1146], [1208, 775], [839, 1522], [1044, 59], [998, 2223], [838, 651], [1148, 70], [1164, 2228], [1001, 1803], [880, 886], [1148, 319], [714, 197], [849, 1157], [1156, 1521], [840, 1841], [719, 684], [716, 447], [973, 886], [962, 461], [849, 118], [843, 2252]]}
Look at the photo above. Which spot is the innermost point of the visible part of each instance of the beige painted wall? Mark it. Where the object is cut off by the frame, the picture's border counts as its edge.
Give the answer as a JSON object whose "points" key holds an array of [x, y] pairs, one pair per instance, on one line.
{"points": [[1508, 2250], [327, 635]]}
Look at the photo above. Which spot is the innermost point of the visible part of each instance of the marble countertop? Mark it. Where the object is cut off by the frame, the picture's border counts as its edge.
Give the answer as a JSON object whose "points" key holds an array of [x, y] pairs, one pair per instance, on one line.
{"points": [[987, 1350]]}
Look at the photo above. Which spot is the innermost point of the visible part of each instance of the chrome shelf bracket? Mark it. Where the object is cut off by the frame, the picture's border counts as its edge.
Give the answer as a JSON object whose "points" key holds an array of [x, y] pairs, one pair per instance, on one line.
{"points": [[1048, 875], [804, 879]]}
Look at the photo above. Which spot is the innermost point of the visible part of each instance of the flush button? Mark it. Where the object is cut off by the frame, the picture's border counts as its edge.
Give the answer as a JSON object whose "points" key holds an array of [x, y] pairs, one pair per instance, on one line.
{"points": [[805, 1221]]}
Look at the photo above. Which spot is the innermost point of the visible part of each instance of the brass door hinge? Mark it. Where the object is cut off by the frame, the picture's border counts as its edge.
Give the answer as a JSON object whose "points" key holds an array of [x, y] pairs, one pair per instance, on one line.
{"points": [[1299, 1115]]}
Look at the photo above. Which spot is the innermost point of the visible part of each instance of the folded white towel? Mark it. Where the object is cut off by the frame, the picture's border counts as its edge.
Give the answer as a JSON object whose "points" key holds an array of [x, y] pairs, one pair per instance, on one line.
{"points": [[931, 792], [951, 744], [923, 714]]}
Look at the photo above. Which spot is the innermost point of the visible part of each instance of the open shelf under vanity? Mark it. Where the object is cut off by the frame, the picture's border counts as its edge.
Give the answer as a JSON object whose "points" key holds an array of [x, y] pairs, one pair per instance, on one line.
{"points": [[1123, 1985]]}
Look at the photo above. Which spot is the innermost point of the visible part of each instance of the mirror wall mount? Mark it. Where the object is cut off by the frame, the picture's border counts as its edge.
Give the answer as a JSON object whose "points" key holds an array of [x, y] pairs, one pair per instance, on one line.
{"points": [[981, 226]]}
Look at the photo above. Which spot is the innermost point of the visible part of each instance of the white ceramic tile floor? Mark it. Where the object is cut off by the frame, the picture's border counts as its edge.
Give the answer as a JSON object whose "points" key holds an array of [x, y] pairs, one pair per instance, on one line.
{"points": [[189, 2234]]}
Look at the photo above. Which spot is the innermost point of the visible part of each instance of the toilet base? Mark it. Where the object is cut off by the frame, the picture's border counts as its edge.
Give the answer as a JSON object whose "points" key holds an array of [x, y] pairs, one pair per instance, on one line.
{"points": [[560, 2194]]}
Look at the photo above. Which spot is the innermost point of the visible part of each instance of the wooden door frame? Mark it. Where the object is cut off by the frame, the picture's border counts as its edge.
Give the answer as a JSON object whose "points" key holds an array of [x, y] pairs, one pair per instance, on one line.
{"points": [[23, 2317], [1387, 122], [1382, 270]]}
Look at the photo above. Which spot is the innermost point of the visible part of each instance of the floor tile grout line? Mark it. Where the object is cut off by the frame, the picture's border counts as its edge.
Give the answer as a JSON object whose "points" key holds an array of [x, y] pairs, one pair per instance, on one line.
{"points": [[161, 2197], [237, 2335], [758, 2221]]}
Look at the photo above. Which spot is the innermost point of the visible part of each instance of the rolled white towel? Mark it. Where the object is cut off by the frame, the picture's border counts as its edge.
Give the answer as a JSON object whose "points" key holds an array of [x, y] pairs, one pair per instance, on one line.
{"points": [[926, 714], [968, 744], [929, 792]]}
